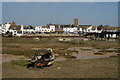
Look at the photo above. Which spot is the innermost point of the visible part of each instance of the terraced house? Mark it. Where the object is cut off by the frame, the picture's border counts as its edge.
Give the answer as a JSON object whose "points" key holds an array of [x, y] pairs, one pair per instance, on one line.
{"points": [[5, 27], [16, 29], [12, 28], [50, 28], [19, 30]]}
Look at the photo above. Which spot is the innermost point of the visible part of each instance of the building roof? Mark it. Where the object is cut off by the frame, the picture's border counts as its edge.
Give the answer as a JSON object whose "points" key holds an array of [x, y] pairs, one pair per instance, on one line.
{"points": [[94, 27], [13, 23], [67, 26], [29, 27], [113, 28], [44, 26], [84, 26]]}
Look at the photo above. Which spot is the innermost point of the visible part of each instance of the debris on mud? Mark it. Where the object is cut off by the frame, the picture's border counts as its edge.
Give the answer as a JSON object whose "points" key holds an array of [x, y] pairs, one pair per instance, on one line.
{"points": [[99, 53], [64, 39]]}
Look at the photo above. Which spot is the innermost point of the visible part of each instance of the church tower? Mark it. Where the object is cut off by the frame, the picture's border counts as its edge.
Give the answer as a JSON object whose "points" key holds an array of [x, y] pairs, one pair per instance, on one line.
{"points": [[76, 22]]}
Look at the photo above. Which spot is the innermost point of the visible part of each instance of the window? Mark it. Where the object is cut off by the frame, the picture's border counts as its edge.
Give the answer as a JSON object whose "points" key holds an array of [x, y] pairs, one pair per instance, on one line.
{"points": [[19, 32], [88, 29], [51, 29]]}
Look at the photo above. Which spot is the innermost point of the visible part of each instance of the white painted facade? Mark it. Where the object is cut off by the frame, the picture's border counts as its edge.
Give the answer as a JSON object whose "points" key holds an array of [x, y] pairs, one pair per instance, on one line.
{"points": [[5, 27], [17, 33], [80, 29], [70, 29], [38, 28], [0, 29], [14, 32], [44, 29], [28, 30], [111, 36], [112, 30], [90, 30], [52, 28]]}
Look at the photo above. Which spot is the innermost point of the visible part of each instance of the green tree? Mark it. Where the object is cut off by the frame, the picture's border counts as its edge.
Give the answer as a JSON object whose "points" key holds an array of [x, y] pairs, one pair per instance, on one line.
{"points": [[100, 27]]}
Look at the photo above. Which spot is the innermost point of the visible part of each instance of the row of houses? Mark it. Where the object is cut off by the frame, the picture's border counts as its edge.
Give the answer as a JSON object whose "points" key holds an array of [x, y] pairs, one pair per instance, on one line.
{"points": [[19, 30]]}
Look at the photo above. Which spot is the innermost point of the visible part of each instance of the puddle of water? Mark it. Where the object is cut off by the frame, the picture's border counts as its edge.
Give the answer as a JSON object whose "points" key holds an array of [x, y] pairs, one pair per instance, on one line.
{"points": [[86, 56], [8, 57], [73, 54], [83, 56], [79, 48], [89, 54], [95, 50], [7, 60], [111, 49], [85, 47]]}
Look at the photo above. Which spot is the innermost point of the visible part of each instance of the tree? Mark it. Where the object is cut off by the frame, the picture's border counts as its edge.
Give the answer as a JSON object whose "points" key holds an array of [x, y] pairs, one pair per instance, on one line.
{"points": [[105, 27], [100, 27]]}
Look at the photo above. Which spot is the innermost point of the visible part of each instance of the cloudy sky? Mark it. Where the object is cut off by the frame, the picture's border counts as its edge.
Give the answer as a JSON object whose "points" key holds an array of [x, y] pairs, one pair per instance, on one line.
{"points": [[42, 13]]}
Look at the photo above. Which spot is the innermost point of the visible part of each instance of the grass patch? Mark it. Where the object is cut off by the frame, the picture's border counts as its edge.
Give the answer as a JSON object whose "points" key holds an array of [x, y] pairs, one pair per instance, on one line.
{"points": [[18, 62], [24, 46], [71, 68]]}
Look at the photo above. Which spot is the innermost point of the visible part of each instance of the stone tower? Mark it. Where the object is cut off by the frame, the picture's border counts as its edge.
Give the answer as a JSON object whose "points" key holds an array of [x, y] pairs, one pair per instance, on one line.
{"points": [[76, 22]]}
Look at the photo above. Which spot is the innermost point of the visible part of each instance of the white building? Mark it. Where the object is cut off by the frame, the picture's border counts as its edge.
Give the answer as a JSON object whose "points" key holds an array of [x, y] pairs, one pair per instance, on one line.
{"points": [[11, 28], [43, 29], [89, 29], [70, 30], [38, 28], [0, 28], [111, 35], [52, 28], [29, 30], [93, 29], [5, 27], [16, 30]]}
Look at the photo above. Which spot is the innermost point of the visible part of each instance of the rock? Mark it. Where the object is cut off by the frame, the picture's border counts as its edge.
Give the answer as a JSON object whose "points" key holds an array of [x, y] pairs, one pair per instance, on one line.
{"points": [[58, 67], [99, 53], [57, 55]]}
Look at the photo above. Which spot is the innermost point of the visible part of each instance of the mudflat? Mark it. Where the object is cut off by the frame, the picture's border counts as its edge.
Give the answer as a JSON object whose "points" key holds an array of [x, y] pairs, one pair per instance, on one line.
{"points": [[74, 59]]}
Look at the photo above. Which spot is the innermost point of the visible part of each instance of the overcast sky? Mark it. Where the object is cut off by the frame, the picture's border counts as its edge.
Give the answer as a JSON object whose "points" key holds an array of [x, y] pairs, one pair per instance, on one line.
{"points": [[42, 13]]}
